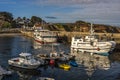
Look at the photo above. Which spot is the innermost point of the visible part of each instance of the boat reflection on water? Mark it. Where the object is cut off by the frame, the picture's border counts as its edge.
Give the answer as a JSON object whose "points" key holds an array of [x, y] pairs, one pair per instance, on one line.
{"points": [[92, 62], [37, 45], [25, 74], [40, 48]]}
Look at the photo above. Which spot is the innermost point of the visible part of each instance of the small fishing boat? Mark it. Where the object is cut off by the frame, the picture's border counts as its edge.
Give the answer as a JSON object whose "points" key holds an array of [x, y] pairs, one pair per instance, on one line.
{"points": [[73, 63], [65, 66], [45, 78], [26, 60]]}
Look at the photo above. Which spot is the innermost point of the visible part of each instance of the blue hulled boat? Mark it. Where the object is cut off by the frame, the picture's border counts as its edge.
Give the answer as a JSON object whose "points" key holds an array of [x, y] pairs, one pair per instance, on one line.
{"points": [[73, 63]]}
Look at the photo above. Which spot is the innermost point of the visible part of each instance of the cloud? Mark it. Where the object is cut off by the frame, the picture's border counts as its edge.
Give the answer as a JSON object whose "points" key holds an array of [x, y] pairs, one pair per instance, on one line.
{"points": [[96, 9], [51, 17], [7, 2], [98, 13], [84, 7], [72, 2]]}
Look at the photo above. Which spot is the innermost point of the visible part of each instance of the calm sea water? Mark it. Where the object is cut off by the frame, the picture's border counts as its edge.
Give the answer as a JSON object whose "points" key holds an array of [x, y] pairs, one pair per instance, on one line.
{"points": [[95, 67]]}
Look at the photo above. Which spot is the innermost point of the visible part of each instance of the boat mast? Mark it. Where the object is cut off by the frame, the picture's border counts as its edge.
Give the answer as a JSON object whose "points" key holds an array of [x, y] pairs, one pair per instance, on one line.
{"points": [[91, 29], [42, 24]]}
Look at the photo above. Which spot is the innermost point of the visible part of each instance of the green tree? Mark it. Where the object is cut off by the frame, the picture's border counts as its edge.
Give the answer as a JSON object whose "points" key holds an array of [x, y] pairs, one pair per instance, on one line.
{"points": [[13, 24], [6, 25], [18, 19], [7, 16], [24, 18], [35, 19]]}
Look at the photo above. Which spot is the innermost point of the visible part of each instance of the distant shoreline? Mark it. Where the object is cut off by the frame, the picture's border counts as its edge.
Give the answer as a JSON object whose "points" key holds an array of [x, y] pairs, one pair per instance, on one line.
{"points": [[9, 34]]}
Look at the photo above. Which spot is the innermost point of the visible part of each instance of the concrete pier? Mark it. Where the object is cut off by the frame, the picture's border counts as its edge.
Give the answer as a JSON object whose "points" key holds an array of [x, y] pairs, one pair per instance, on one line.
{"points": [[69, 35]]}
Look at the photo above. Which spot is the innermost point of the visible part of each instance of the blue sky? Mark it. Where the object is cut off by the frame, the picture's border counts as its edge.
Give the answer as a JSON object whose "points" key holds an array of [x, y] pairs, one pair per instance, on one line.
{"points": [[95, 11]]}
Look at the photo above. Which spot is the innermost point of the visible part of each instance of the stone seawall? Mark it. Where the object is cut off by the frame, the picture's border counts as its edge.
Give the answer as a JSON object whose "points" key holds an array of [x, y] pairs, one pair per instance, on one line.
{"points": [[69, 35], [28, 33], [66, 36]]}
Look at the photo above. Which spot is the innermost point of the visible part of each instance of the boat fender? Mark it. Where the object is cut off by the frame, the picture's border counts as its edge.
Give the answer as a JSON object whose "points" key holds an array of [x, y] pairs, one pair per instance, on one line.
{"points": [[98, 49], [52, 62]]}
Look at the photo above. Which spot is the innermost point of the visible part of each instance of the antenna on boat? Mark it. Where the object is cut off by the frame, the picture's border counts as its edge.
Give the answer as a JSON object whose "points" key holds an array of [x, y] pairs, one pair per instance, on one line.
{"points": [[91, 29], [42, 24]]}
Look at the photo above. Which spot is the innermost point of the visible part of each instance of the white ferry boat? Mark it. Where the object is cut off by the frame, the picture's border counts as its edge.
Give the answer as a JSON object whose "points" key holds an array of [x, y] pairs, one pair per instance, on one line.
{"points": [[45, 36], [91, 43]]}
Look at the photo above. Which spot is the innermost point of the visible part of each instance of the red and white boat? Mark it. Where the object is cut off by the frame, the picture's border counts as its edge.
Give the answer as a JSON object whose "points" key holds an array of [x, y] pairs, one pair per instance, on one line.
{"points": [[45, 36]]}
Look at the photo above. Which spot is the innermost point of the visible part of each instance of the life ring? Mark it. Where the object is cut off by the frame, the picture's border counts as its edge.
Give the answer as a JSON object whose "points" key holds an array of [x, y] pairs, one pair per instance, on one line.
{"points": [[98, 49]]}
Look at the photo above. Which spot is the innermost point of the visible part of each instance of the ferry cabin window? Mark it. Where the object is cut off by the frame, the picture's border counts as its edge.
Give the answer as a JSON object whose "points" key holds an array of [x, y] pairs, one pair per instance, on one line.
{"points": [[80, 40], [49, 36], [38, 35], [82, 43], [74, 43], [90, 36], [75, 39]]}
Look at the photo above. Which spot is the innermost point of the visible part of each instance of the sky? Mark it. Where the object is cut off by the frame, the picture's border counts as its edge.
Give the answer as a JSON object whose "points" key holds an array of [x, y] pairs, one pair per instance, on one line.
{"points": [[66, 11]]}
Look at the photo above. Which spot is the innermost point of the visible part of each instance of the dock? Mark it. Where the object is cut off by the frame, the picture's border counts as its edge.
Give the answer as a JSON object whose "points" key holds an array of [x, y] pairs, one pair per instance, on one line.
{"points": [[67, 36]]}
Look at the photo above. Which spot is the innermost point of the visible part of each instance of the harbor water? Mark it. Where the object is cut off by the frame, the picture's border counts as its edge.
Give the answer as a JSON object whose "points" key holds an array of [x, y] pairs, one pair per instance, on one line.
{"points": [[90, 67]]}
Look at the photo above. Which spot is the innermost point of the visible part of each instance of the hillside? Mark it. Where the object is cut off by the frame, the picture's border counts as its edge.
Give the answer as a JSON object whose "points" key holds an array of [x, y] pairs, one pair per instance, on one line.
{"points": [[81, 26]]}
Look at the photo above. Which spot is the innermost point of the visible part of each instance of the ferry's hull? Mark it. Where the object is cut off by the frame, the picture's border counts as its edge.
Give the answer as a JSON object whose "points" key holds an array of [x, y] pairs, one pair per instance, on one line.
{"points": [[91, 50], [105, 48], [46, 41]]}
